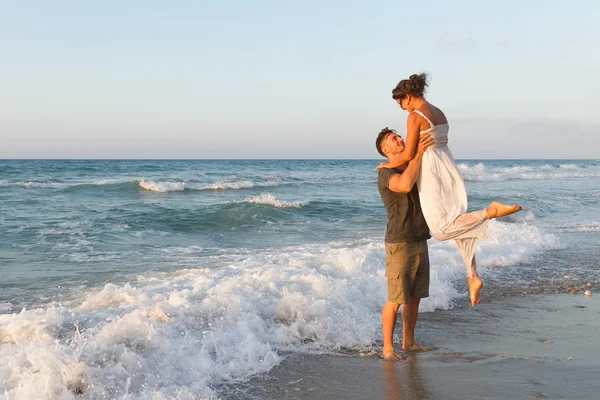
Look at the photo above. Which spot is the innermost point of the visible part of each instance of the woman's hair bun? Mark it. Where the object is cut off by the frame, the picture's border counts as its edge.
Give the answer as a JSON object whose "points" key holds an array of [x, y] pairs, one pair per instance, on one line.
{"points": [[415, 85]]}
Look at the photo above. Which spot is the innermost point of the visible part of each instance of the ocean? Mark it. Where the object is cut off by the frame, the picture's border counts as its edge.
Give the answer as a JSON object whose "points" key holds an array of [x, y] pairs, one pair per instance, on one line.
{"points": [[146, 279]]}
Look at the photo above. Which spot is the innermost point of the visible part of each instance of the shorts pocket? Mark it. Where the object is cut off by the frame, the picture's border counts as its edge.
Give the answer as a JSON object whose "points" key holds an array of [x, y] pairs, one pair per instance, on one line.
{"points": [[394, 253]]}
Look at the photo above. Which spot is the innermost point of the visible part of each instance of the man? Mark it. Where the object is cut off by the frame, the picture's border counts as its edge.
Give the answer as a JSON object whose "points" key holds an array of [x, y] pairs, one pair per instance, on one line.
{"points": [[406, 255]]}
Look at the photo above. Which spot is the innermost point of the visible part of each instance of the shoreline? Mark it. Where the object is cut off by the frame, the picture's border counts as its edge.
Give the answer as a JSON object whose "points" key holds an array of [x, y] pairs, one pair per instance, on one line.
{"points": [[533, 346]]}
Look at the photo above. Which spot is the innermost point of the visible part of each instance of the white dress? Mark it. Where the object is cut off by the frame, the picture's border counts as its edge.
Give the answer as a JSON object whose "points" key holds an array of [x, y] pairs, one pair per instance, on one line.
{"points": [[443, 198]]}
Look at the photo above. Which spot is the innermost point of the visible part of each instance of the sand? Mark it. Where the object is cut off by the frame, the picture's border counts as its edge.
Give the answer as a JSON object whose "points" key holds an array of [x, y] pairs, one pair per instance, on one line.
{"points": [[544, 346]]}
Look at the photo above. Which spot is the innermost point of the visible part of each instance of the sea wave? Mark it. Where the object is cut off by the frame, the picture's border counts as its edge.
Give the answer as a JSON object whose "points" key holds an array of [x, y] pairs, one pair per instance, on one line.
{"points": [[228, 185], [593, 227], [235, 185], [162, 187], [166, 186], [176, 335], [482, 173], [568, 166], [158, 186], [268, 199], [37, 184]]}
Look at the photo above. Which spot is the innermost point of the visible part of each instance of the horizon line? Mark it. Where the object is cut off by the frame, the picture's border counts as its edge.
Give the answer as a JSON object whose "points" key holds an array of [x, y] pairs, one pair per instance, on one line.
{"points": [[280, 159]]}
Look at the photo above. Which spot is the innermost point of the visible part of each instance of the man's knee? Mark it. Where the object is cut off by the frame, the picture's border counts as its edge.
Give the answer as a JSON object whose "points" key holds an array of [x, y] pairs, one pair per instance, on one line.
{"points": [[415, 300], [393, 306]]}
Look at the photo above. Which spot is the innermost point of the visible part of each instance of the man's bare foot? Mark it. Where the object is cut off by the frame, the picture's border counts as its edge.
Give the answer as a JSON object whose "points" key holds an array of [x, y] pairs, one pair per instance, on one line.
{"points": [[496, 209], [371, 354], [414, 347], [475, 286], [391, 355]]}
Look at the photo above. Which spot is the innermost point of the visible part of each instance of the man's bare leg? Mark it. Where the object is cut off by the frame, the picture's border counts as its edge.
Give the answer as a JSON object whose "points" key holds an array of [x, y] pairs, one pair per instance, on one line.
{"points": [[389, 316], [496, 210], [410, 312]]}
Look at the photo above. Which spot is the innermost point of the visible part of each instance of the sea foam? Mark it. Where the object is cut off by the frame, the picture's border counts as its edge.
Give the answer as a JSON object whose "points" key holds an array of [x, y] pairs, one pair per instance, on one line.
{"points": [[268, 199], [236, 185], [162, 187], [482, 173], [177, 334]]}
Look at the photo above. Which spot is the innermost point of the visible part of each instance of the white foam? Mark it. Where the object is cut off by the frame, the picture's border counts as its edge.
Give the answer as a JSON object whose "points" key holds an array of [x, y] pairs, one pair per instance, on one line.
{"points": [[592, 227], [512, 244], [109, 181], [268, 199], [182, 250], [151, 232], [49, 184], [475, 169], [162, 187], [227, 185], [81, 257], [481, 173], [5, 307], [568, 166], [119, 227], [173, 335], [478, 172], [166, 187], [517, 169], [584, 229], [42, 184], [236, 185]]}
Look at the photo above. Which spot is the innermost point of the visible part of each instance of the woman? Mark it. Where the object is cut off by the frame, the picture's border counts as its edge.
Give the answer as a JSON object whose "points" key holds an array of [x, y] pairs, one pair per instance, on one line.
{"points": [[441, 187]]}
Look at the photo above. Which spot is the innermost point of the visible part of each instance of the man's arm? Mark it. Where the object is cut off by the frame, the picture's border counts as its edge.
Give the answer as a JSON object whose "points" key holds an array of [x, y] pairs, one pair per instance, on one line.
{"points": [[403, 183]]}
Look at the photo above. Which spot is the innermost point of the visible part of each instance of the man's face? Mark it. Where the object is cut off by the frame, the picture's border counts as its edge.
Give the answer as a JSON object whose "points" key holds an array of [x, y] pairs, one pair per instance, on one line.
{"points": [[394, 143]]}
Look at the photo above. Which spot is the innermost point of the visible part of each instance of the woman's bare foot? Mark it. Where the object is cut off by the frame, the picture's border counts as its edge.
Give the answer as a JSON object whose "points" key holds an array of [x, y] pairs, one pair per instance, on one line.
{"points": [[475, 286], [414, 347], [496, 209]]}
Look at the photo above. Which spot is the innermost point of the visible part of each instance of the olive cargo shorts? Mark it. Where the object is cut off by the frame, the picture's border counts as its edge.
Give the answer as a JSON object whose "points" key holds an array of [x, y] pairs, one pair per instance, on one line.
{"points": [[407, 271]]}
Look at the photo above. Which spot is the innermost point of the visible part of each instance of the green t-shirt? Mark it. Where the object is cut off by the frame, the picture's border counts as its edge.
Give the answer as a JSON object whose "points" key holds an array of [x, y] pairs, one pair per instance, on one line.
{"points": [[405, 218]]}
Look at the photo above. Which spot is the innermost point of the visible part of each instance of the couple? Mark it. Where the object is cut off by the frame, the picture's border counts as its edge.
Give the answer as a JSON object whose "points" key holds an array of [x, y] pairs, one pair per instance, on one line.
{"points": [[437, 203]]}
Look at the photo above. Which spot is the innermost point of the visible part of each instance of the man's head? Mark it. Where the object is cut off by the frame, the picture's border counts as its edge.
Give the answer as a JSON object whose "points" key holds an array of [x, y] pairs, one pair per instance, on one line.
{"points": [[389, 143]]}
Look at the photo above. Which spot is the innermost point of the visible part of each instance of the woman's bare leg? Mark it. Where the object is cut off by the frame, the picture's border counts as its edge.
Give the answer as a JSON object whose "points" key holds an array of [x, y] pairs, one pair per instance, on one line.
{"points": [[466, 246], [467, 251]]}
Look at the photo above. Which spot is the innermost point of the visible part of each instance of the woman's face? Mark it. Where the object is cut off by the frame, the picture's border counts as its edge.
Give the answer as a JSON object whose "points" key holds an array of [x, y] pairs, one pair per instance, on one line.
{"points": [[405, 103]]}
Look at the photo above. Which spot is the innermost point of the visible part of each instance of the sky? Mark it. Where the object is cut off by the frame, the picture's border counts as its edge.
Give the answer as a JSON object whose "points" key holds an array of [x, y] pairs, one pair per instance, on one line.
{"points": [[277, 79]]}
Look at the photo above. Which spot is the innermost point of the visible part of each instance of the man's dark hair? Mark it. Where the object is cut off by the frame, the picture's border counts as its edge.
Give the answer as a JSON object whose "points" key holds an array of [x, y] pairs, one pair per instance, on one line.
{"points": [[382, 135]]}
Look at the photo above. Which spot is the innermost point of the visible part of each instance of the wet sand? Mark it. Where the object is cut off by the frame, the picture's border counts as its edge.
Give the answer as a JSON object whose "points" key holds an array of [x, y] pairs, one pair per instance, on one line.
{"points": [[544, 346]]}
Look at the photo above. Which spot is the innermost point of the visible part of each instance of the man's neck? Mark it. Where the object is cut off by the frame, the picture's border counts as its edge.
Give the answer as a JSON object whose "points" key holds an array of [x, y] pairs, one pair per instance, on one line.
{"points": [[392, 159]]}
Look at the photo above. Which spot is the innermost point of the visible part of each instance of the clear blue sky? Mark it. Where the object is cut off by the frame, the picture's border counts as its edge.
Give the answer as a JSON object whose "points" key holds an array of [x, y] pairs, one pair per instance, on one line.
{"points": [[278, 79]]}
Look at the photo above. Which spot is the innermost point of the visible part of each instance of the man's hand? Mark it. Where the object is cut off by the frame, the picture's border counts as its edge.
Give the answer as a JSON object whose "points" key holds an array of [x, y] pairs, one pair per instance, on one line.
{"points": [[384, 164], [425, 140]]}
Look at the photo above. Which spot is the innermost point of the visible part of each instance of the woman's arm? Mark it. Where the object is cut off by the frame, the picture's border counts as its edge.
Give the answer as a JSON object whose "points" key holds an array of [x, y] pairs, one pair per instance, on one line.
{"points": [[413, 128], [404, 182]]}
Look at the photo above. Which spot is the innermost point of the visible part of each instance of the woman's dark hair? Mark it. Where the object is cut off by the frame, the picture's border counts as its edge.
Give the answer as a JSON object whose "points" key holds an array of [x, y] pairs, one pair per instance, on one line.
{"points": [[415, 85], [382, 135]]}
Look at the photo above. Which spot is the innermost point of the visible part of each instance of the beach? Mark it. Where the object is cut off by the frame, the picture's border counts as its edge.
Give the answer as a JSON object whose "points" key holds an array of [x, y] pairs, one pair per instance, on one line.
{"points": [[192, 205], [223, 279], [539, 346]]}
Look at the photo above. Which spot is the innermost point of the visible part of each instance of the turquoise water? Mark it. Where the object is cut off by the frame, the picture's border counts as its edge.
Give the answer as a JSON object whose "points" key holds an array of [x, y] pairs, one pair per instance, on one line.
{"points": [[216, 267]]}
